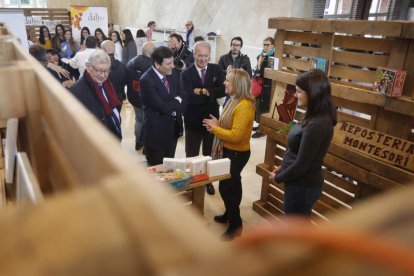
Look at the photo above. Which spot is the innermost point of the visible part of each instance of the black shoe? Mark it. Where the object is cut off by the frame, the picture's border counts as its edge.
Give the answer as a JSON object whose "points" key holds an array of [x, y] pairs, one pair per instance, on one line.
{"points": [[210, 189], [138, 146], [256, 128], [258, 134], [232, 232], [221, 219]]}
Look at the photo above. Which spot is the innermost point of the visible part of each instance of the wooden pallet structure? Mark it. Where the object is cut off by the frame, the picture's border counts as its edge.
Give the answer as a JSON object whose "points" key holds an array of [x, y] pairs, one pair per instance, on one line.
{"points": [[355, 167]]}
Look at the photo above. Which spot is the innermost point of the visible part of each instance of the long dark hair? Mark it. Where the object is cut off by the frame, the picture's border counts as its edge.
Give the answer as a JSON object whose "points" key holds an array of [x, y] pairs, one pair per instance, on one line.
{"points": [[71, 41], [141, 33], [62, 27], [103, 34], [128, 36], [42, 36], [83, 38], [318, 91], [118, 36]]}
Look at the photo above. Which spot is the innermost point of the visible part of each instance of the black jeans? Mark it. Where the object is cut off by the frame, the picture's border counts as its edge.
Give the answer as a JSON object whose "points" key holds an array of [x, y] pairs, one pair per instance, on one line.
{"points": [[298, 200], [231, 189], [193, 141]]}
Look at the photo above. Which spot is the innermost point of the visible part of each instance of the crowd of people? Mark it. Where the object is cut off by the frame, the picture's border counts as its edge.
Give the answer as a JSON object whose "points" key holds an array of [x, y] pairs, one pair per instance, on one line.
{"points": [[176, 90]]}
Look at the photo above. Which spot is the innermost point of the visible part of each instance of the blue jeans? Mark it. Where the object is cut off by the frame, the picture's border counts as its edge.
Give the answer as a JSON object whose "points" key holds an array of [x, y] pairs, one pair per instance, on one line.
{"points": [[299, 200], [139, 119]]}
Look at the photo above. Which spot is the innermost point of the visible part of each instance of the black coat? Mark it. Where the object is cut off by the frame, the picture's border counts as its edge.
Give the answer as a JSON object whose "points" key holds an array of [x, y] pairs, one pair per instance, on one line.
{"points": [[118, 77], [162, 112], [136, 67], [241, 61], [84, 92], [199, 107]]}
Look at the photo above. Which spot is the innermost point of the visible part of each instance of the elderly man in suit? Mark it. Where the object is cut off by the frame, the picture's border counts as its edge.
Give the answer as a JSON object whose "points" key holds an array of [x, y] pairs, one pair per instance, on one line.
{"points": [[203, 83], [161, 97]]}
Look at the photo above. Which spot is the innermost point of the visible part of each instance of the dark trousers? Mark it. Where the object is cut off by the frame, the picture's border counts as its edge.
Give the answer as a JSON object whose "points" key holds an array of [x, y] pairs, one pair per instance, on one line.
{"points": [[231, 189], [193, 141], [156, 155], [298, 200]]}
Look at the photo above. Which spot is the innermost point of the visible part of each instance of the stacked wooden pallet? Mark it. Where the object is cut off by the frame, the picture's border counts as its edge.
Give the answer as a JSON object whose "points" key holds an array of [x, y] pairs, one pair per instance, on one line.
{"points": [[352, 51]]}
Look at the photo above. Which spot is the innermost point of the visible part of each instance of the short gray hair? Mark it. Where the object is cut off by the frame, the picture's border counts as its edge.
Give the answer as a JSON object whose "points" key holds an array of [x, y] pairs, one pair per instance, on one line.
{"points": [[99, 57], [202, 44]]}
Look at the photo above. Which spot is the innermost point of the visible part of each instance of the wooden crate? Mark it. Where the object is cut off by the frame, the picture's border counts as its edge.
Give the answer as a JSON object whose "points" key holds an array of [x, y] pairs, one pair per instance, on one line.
{"points": [[352, 50]]}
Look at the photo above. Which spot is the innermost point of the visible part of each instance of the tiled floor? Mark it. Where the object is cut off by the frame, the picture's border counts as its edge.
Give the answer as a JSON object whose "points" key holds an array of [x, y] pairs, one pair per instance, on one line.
{"points": [[213, 204]]}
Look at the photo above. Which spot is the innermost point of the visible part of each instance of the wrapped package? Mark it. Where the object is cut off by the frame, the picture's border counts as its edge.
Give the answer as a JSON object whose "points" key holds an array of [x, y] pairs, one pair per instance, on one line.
{"points": [[218, 167]]}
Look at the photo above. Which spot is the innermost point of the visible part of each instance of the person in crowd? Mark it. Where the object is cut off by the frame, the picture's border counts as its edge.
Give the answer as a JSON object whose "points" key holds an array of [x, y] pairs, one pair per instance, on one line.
{"points": [[140, 39], [183, 57], [191, 34], [118, 71], [31, 36], [79, 60], [45, 38], [136, 67], [100, 36], [110, 28], [53, 57], [95, 91], [150, 29], [59, 36], [203, 83], [308, 141], [161, 97], [39, 53], [85, 32], [130, 48], [69, 47], [263, 100], [234, 58], [116, 38], [232, 140]]}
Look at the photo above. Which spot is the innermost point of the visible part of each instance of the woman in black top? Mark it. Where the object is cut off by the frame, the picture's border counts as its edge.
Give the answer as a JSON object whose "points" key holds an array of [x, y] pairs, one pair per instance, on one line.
{"points": [[84, 34], [100, 36], [308, 141]]}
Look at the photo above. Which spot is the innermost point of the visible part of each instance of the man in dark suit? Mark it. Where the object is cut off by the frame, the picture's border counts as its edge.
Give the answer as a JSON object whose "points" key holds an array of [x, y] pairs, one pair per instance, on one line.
{"points": [[203, 83], [161, 97], [97, 94]]}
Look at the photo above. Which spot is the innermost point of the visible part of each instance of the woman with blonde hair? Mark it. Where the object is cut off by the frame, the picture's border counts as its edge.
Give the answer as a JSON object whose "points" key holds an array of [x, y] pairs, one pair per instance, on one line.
{"points": [[232, 140]]}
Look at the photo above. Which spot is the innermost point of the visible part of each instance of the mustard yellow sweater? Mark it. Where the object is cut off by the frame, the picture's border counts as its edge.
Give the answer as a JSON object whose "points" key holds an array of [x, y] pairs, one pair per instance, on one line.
{"points": [[238, 137]]}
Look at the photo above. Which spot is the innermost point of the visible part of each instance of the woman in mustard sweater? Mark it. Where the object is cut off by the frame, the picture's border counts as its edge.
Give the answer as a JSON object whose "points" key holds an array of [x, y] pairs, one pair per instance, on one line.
{"points": [[232, 140]]}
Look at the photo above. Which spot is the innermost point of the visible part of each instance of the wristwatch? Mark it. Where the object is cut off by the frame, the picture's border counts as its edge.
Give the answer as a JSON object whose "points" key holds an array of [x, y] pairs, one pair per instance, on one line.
{"points": [[202, 91]]}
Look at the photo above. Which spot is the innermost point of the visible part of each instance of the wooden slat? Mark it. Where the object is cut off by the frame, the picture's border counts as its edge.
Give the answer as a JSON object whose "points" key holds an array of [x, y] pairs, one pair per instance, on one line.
{"points": [[323, 208], [408, 30], [298, 64], [363, 43], [383, 183], [352, 74], [367, 60], [342, 116], [339, 182], [27, 186], [302, 51], [337, 193], [403, 105], [347, 168], [275, 202], [2, 189], [355, 106], [355, 27], [304, 37]]}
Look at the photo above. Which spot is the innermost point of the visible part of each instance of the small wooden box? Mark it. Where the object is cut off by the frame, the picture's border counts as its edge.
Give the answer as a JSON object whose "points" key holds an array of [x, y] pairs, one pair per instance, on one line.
{"points": [[389, 81]]}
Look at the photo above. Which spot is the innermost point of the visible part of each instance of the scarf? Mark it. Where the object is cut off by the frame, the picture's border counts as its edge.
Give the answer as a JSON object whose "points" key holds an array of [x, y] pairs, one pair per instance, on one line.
{"points": [[113, 100], [264, 56], [225, 121]]}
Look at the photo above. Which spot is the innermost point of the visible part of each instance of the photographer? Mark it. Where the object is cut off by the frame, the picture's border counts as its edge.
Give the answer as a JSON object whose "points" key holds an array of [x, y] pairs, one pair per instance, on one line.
{"points": [[183, 57]]}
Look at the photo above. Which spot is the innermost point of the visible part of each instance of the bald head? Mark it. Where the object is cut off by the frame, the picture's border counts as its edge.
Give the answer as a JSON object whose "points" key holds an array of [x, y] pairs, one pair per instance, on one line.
{"points": [[148, 48], [108, 46]]}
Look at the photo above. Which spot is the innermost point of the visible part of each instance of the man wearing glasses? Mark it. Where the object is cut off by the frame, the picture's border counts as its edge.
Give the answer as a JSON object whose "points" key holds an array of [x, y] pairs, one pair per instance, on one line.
{"points": [[234, 58], [97, 94]]}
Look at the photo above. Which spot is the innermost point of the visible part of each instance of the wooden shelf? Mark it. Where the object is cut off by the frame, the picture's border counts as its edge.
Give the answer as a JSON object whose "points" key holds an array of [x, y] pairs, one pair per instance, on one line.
{"points": [[403, 105], [354, 27]]}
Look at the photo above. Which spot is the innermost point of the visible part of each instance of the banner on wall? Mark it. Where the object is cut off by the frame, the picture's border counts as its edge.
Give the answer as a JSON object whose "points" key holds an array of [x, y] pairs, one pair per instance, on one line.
{"points": [[91, 17]]}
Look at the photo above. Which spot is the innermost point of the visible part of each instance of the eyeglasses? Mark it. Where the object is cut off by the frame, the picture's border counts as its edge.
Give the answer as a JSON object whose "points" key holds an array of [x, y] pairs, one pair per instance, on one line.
{"points": [[266, 45], [236, 45], [101, 72]]}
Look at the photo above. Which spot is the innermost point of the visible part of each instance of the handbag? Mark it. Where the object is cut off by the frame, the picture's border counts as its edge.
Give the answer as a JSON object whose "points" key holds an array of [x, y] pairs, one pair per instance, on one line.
{"points": [[257, 86]]}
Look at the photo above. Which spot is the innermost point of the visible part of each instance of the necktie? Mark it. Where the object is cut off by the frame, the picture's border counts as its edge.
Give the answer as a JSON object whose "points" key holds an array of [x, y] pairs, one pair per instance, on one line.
{"points": [[203, 75], [165, 81], [114, 117]]}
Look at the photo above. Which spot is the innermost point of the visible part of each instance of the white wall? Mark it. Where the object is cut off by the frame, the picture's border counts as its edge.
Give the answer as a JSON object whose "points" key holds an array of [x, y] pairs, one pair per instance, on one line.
{"points": [[245, 18]]}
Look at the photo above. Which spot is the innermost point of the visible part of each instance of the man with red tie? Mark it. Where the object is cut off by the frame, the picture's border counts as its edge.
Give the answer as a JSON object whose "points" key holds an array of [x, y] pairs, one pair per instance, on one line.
{"points": [[97, 94], [162, 100], [203, 82]]}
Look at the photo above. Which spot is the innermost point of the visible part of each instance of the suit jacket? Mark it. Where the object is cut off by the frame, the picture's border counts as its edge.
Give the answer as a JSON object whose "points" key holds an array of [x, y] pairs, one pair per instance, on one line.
{"points": [[84, 92], [118, 77], [199, 107], [162, 112]]}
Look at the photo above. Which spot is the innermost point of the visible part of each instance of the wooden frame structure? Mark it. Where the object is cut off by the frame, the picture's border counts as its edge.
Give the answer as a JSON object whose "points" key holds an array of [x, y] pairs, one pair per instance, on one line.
{"points": [[352, 50]]}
